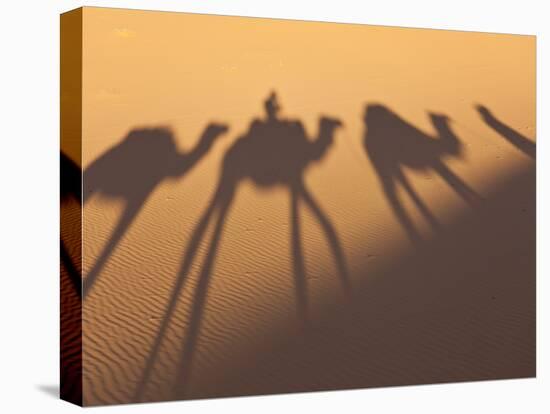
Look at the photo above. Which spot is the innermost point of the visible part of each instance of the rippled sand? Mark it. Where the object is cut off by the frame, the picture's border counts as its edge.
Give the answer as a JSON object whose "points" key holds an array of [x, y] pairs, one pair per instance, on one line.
{"points": [[456, 304]]}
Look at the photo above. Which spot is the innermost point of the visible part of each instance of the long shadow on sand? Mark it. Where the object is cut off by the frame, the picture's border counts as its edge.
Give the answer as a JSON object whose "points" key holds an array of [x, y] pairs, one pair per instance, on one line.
{"points": [[275, 152], [457, 307]]}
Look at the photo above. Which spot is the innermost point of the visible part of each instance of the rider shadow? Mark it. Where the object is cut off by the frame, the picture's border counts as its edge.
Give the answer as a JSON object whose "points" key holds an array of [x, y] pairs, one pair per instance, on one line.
{"points": [[131, 170], [393, 145], [274, 152], [521, 142]]}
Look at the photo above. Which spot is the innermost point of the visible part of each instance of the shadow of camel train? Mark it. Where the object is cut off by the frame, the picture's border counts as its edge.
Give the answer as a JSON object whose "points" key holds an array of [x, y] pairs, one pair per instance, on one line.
{"points": [[150, 156], [275, 152]]}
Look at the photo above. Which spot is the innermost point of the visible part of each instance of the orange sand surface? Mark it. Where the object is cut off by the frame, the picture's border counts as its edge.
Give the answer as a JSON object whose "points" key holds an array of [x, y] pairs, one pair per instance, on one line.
{"points": [[407, 255]]}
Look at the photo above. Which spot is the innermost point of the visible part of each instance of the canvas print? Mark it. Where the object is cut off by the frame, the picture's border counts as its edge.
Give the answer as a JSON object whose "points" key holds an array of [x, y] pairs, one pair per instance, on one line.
{"points": [[258, 206]]}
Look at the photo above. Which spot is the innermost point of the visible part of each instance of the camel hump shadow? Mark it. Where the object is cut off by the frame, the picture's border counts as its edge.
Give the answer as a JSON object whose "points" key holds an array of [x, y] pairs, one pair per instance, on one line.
{"points": [[131, 167], [275, 150], [131, 170], [393, 143], [146, 156], [394, 146]]}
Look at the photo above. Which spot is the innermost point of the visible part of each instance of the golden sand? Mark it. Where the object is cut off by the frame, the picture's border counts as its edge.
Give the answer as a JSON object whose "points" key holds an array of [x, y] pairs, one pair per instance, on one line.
{"points": [[438, 289]]}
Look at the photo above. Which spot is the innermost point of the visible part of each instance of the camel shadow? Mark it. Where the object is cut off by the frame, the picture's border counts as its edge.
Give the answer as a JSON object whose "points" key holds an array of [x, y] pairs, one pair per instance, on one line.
{"points": [[274, 152], [393, 145], [518, 140], [131, 170]]}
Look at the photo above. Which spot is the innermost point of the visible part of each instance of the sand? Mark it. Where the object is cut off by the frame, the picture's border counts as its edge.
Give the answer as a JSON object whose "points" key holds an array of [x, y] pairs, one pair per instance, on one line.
{"points": [[434, 290]]}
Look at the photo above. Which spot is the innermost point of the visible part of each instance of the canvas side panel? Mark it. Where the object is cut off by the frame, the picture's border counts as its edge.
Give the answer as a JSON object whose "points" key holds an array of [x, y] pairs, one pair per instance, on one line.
{"points": [[71, 207]]}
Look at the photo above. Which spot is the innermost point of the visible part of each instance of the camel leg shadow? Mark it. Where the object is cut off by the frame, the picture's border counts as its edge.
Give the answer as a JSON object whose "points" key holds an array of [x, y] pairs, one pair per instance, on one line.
{"points": [[458, 185], [74, 274], [190, 254], [332, 237], [428, 215], [299, 271], [389, 188], [183, 374], [128, 215]]}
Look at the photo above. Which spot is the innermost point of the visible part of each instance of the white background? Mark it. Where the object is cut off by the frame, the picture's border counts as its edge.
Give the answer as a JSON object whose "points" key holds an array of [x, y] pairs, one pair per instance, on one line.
{"points": [[29, 217]]}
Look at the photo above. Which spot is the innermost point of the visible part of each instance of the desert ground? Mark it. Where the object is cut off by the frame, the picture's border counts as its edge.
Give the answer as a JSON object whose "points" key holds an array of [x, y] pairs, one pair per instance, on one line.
{"points": [[279, 206]]}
